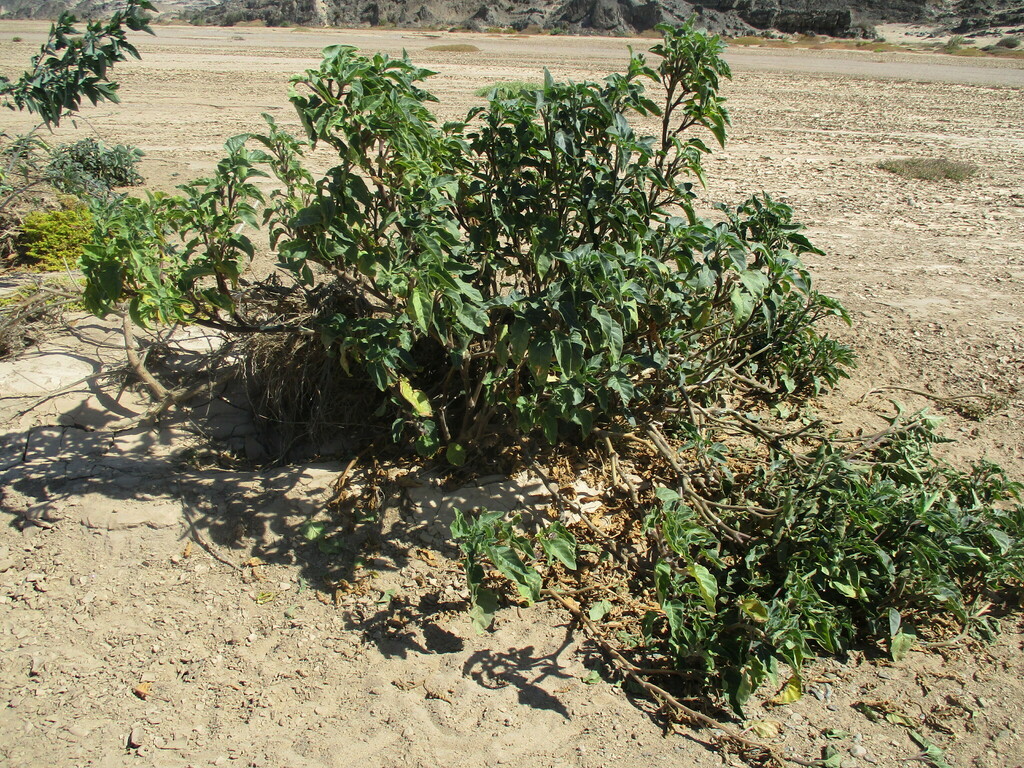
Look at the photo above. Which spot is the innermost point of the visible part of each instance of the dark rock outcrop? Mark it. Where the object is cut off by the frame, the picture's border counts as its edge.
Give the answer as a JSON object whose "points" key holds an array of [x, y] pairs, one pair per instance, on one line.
{"points": [[837, 18]]}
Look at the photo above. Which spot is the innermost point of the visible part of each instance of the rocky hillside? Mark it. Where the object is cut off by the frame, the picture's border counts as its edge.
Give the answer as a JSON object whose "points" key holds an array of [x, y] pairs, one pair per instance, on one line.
{"points": [[838, 18]]}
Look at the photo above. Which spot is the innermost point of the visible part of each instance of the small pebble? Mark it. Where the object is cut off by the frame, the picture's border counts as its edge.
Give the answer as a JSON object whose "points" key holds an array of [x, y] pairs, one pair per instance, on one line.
{"points": [[858, 751], [136, 738]]}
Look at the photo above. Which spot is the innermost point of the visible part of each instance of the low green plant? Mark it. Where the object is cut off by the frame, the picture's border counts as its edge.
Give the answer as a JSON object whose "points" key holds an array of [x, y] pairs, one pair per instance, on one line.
{"points": [[1009, 42], [490, 538], [54, 240], [855, 548], [72, 66], [930, 168], [90, 168]]}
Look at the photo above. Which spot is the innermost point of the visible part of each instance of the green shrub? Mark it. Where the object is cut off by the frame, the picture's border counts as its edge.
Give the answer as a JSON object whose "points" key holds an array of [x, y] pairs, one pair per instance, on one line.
{"points": [[453, 48], [954, 44], [538, 274], [506, 89], [1010, 42], [16, 39], [930, 168], [54, 240], [89, 167]]}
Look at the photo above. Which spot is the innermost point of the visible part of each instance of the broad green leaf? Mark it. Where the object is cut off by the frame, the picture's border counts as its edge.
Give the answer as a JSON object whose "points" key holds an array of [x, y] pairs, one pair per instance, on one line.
{"points": [[485, 604], [456, 455], [540, 359], [416, 398], [742, 304], [755, 609], [313, 529], [559, 544], [900, 645], [706, 583], [933, 756], [421, 309], [526, 579], [611, 332], [519, 338]]}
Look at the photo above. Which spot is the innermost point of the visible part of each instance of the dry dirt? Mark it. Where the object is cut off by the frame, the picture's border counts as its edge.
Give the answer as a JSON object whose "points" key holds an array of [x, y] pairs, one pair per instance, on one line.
{"points": [[136, 630]]}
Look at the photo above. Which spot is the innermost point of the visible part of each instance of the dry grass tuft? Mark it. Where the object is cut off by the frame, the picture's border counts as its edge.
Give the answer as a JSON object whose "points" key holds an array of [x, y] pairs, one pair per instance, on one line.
{"points": [[930, 168], [454, 48]]}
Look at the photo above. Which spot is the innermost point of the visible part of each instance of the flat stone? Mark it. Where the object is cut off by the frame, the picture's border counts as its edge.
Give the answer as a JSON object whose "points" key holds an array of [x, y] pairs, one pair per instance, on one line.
{"points": [[100, 513], [42, 374]]}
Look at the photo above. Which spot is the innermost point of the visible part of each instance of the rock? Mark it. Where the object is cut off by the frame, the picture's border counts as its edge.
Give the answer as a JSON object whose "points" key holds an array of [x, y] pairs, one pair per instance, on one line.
{"points": [[136, 738], [99, 514]]}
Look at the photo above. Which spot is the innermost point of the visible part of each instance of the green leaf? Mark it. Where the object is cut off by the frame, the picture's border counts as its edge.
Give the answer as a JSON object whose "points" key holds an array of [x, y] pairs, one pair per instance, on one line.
{"points": [[611, 332], [540, 359], [621, 384], [742, 304], [416, 398], [900, 645], [599, 610], [519, 338], [511, 566], [559, 544], [593, 677], [754, 609], [421, 308], [456, 455], [706, 584], [473, 319], [933, 756], [312, 530], [484, 606]]}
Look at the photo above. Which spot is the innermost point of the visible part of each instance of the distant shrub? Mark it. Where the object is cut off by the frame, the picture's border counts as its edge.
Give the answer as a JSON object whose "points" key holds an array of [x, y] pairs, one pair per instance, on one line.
{"points": [[16, 39], [930, 168], [506, 89], [454, 48], [90, 168], [53, 240], [955, 43], [1010, 41]]}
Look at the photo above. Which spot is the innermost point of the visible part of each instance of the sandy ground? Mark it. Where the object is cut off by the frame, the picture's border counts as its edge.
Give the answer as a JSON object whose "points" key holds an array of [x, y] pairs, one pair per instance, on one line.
{"points": [[137, 630]]}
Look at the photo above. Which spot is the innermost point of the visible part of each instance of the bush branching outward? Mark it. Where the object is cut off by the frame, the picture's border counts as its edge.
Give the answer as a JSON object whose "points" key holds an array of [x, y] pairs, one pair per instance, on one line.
{"points": [[538, 273], [539, 266]]}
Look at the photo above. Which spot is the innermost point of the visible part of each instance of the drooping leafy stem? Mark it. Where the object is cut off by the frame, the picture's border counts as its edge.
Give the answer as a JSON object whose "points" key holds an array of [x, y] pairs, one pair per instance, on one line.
{"points": [[71, 66]]}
